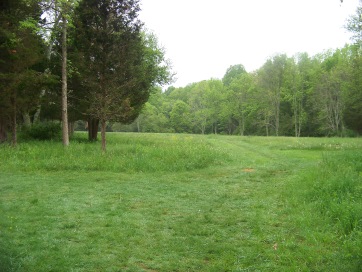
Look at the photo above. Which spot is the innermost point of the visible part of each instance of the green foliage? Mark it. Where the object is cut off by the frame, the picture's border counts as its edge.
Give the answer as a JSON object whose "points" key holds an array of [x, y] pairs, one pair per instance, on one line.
{"points": [[354, 25], [43, 131], [233, 72], [299, 95]]}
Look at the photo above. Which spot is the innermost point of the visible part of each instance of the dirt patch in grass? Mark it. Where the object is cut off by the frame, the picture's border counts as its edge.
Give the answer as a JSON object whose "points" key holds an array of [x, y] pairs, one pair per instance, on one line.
{"points": [[248, 170]]}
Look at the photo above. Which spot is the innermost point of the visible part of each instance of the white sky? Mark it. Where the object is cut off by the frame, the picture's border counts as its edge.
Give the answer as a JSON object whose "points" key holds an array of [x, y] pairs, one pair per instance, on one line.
{"points": [[202, 38]]}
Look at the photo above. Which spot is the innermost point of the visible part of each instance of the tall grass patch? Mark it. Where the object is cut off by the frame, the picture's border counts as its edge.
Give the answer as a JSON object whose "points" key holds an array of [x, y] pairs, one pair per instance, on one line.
{"points": [[126, 153], [329, 199]]}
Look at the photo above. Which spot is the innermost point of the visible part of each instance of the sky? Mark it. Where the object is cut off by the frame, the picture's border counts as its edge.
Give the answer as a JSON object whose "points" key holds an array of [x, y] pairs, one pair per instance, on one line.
{"points": [[202, 38]]}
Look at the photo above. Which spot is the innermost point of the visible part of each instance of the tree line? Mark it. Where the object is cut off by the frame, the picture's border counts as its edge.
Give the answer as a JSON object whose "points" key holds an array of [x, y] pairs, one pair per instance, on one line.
{"points": [[93, 60], [69, 60], [289, 96], [301, 95]]}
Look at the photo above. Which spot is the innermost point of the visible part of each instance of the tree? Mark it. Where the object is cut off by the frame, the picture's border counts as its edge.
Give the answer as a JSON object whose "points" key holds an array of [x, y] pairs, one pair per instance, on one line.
{"points": [[353, 109], [22, 53], [353, 95], [271, 80], [180, 117], [233, 72], [119, 62], [61, 12], [242, 105], [330, 91], [354, 25], [200, 108]]}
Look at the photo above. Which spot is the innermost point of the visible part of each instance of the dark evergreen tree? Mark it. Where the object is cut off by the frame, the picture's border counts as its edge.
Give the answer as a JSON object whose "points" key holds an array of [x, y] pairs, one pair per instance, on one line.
{"points": [[118, 63], [21, 55]]}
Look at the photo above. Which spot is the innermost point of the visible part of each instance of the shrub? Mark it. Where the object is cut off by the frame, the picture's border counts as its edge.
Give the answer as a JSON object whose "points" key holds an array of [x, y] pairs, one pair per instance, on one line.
{"points": [[43, 131]]}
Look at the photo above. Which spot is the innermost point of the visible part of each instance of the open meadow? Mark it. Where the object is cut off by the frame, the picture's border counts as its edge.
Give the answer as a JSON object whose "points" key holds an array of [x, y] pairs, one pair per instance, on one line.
{"points": [[168, 202]]}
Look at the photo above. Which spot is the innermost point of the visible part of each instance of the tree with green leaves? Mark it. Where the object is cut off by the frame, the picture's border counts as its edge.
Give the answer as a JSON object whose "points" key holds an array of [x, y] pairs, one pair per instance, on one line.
{"points": [[233, 72], [119, 62], [353, 110], [329, 92], [354, 25], [242, 104], [200, 108], [180, 117], [22, 58], [271, 79]]}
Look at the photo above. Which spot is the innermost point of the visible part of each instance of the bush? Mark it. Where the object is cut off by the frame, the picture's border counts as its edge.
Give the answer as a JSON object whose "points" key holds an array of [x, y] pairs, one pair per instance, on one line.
{"points": [[44, 131]]}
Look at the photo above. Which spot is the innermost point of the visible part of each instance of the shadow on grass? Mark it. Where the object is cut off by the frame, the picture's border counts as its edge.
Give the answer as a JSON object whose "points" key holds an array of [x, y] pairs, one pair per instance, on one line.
{"points": [[8, 256]]}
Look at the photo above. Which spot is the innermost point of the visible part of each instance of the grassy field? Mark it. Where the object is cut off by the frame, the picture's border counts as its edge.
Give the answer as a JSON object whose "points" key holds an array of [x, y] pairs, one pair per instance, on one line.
{"points": [[166, 202]]}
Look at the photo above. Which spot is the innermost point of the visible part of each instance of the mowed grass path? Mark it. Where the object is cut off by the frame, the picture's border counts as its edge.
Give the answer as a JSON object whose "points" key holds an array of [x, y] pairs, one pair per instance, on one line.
{"points": [[166, 202]]}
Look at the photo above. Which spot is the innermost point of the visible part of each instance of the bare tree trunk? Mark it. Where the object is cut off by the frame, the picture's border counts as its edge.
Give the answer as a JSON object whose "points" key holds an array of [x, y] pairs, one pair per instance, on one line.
{"points": [[138, 125], [26, 119], [37, 113], [277, 114], [71, 129], [93, 129], [14, 139], [242, 124], [103, 134], [3, 129], [64, 85]]}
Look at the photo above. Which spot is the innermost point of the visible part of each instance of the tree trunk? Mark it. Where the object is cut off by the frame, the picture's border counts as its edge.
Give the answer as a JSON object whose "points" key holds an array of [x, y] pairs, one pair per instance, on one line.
{"points": [[92, 129], [26, 119], [277, 113], [64, 85], [38, 109], [14, 139], [242, 125], [138, 125], [103, 134], [70, 129], [296, 123], [3, 130]]}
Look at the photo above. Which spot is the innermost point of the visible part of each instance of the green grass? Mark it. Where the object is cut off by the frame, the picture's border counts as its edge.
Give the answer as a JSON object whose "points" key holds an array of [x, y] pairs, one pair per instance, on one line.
{"points": [[166, 202]]}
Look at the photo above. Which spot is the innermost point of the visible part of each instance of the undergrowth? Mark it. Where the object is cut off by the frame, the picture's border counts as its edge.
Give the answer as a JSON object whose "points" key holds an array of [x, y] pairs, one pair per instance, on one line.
{"points": [[126, 153]]}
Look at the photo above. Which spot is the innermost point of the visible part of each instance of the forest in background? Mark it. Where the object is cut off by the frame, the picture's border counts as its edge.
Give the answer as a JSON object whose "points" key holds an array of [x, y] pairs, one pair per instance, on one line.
{"points": [[99, 55], [298, 95]]}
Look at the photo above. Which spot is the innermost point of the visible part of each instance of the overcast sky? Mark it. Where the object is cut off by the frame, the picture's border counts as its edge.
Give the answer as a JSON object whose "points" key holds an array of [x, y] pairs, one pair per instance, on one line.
{"points": [[202, 38]]}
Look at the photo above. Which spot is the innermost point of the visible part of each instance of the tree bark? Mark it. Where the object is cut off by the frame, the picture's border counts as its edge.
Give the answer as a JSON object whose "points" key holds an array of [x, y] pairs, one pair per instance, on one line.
{"points": [[64, 85], [14, 139], [103, 134], [26, 119], [71, 129], [138, 125], [93, 129], [36, 116], [3, 130]]}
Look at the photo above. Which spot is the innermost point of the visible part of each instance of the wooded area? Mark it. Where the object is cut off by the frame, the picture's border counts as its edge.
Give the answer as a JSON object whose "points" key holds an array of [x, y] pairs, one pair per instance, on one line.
{"points": [[290, 96], [75, 60], [298, 95], [94, 61]]}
